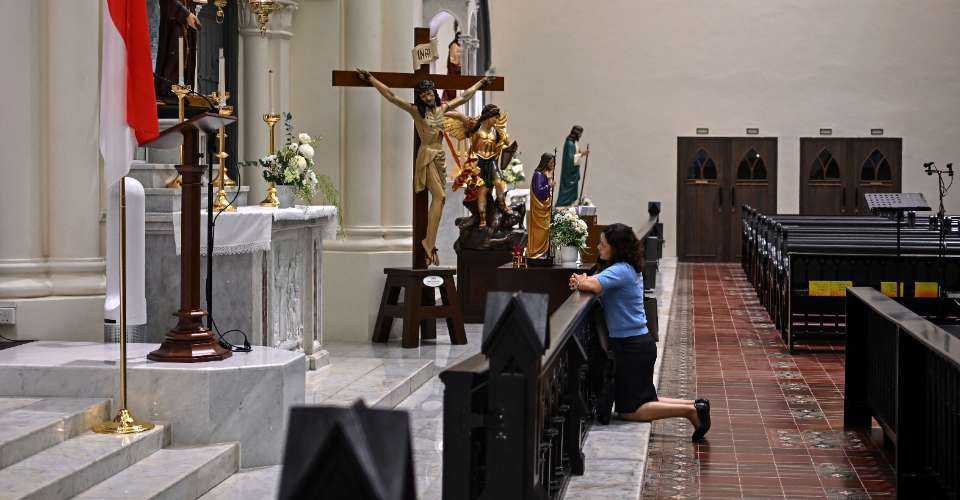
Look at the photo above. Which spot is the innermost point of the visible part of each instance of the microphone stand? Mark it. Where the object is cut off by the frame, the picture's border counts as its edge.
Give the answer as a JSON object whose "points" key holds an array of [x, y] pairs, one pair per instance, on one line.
{"points": [[942, 228]]}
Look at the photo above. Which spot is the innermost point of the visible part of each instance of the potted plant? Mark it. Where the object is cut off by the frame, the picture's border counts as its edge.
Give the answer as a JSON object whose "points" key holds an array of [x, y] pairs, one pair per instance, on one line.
{"points": [[568, 232]]}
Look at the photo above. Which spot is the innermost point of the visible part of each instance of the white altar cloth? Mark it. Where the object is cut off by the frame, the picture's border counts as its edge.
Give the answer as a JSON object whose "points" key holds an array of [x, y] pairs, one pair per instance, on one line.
{"points": [[249, 229]]}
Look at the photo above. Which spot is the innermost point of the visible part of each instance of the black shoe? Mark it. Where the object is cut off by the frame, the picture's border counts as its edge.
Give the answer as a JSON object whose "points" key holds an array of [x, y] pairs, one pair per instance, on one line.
{"points": [[703, 414]]}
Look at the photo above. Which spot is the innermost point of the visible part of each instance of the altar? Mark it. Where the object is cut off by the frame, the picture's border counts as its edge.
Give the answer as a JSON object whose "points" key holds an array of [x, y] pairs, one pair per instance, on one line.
{"points": [[266, 265]]}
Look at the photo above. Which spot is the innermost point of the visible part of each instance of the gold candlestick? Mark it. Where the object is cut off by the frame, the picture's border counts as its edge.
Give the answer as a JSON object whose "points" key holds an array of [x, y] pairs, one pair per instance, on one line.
{"points": [[181, 92], [271, 201], [221, 203]]}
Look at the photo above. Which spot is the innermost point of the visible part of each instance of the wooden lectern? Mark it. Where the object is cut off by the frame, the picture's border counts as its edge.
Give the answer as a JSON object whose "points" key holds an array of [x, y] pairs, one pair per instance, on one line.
{"points": [[190, 341]]}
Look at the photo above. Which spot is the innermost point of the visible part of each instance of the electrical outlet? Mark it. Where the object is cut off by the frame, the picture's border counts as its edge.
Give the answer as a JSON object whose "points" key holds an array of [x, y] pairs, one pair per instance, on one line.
{"points": [[8, 315]]}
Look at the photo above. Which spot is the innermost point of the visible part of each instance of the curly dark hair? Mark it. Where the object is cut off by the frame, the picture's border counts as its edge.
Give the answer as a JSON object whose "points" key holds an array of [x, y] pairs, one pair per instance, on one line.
{"points": [[425, 86], [489, 111], [625, 245]]}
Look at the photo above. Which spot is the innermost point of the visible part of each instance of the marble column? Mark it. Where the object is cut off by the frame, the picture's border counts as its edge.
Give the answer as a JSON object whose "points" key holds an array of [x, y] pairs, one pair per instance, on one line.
{"points": [[73, 202], [261, 52], [51, 269], [377, 158], [396, 134], [22, 263]]}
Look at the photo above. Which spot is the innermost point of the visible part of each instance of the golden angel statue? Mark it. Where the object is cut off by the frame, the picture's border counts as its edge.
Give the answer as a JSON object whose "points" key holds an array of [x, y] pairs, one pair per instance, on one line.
{"points": [[490, 149]]}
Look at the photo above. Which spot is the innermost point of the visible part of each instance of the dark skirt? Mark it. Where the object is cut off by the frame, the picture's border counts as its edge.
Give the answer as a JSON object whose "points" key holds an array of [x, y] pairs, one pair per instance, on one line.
{"points": [[635, 357], [488, 171]]}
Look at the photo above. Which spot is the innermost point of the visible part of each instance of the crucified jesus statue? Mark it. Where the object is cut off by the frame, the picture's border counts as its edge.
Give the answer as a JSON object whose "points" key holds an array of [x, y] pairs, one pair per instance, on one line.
{"points": [[430, 167]]}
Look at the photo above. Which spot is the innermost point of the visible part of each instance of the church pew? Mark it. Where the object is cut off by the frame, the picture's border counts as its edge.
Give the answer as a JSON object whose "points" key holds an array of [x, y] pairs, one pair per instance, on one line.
{"points": [[793, 261], [515, 417]]}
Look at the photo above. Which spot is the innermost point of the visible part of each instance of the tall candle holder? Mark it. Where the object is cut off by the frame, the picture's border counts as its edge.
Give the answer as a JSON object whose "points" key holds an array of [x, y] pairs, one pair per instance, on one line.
{"points": [[221, 203], [271, 201], [181, 92]]}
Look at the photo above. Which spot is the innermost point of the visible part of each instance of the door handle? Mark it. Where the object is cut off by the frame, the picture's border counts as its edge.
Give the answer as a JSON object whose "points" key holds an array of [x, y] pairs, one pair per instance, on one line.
{"points": [[843, 199], [733, 199], [720, 192]]}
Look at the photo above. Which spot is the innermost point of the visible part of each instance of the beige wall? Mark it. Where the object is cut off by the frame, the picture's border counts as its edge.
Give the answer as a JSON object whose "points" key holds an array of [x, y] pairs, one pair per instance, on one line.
{"points": [[637, 74], [314, 51]]}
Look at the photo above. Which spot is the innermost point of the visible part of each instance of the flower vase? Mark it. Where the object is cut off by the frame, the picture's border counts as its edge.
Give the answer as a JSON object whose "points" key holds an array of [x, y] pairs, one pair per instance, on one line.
{"points": [[569, 255], [287, 195]]}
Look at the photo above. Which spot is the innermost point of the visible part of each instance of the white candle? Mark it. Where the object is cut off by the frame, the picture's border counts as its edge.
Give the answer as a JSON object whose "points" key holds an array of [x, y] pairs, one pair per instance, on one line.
{"points": [[222, 83], [180, 58], [270, 88]]}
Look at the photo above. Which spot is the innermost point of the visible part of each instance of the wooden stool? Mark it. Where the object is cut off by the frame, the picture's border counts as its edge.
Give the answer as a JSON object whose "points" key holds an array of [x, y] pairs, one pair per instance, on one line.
{"points": [[419, 308]]}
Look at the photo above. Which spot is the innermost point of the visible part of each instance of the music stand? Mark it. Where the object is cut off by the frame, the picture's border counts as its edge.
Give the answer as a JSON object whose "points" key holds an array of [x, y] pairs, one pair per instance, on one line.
{"points": [[886, 204]]}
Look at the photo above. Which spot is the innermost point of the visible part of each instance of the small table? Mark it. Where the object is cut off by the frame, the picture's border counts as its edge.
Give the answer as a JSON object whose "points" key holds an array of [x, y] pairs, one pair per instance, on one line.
{"points": [[552, 280]]}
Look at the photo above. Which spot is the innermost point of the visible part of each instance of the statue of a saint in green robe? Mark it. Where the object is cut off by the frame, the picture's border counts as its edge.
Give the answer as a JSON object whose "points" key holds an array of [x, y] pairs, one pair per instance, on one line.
{"points": [[570, 173]]}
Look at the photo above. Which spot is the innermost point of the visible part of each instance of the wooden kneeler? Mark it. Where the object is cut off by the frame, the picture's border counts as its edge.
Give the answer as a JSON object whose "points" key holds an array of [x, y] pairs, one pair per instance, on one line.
{"points": [[419, 309]]}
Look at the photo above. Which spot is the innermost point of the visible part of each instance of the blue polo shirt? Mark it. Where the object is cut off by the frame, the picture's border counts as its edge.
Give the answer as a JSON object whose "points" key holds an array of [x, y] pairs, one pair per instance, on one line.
{"points": [[622, 299]]}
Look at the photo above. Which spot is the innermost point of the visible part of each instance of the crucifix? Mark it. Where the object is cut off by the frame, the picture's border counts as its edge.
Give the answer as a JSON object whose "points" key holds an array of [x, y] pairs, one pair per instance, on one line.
{"points": [[418, 309], [421, 255]]}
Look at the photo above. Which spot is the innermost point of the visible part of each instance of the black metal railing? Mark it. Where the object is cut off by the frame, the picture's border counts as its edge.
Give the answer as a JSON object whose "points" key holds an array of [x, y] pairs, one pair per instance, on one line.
{"points": [[516, 415], [904, 371]]}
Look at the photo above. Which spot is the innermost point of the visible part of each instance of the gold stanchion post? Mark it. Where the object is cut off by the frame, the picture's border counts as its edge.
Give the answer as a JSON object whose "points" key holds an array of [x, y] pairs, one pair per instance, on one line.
{"points": [[271, 201], [124, 422]]}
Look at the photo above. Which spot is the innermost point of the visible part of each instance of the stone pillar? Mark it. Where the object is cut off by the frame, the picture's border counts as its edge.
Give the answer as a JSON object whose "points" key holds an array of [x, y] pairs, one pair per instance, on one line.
{"points": [[377, 172], [396, 132], [261, 52], [72, 145], [51, 270], [22, 263]]}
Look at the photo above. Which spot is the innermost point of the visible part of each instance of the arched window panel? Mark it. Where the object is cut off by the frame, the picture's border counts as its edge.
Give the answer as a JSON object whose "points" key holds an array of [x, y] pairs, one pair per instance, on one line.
{"points": [[752, 166], [702, 167], [824, 167], [875, 168], [744, 171], [760, 170], [709, 169], [884, 172]]}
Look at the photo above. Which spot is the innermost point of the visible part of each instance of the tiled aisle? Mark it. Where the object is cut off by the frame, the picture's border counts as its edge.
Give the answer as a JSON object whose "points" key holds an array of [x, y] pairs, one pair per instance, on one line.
{"points": [[777, 419]]}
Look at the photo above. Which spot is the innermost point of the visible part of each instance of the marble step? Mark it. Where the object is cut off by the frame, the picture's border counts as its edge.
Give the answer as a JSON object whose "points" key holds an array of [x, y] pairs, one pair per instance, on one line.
{"points": [[249, 484], [378, 382], [26, 429], [65, 470], [171, 473]]}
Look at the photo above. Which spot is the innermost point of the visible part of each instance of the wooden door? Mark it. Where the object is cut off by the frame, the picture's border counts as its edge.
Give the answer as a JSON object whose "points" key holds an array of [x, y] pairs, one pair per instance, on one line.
{"points": [[824, 164], [754, 161], [702, 204], [875, 168]]}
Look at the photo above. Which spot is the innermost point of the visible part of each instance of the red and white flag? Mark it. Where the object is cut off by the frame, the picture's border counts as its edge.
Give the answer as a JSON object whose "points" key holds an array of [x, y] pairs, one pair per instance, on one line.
{"points": [[128, 109]]}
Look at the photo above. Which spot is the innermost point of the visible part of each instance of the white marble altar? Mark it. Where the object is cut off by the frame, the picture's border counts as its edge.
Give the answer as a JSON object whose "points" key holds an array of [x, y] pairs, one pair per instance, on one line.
{"points": [[269, 288], [245, 398]]}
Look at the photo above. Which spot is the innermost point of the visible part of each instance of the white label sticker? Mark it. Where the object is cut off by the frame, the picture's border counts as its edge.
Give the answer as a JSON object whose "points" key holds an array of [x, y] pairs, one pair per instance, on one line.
{"points": [[433, 281]]}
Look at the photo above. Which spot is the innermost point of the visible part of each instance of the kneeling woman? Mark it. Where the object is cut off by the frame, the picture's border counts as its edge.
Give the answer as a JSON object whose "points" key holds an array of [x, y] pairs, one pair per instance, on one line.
{"points": [[620, 286]]}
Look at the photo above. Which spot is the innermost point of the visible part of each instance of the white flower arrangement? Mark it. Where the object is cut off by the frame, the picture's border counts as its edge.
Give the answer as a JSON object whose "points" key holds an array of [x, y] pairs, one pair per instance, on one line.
{"points": [[567, 229], [513, 174], [293, 165]]}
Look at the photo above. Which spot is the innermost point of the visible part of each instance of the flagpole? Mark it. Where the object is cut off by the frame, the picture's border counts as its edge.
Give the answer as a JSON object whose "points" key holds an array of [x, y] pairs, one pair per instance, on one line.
{"points": [[124, 422]]}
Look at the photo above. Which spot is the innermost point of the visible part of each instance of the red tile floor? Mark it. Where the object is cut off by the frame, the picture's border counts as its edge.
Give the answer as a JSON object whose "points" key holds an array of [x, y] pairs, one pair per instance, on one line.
{"points": [[777, 418]]}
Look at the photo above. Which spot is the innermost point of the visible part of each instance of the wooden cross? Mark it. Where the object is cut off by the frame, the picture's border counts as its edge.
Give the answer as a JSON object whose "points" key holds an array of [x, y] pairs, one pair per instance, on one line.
{"points": [[409, 81]]}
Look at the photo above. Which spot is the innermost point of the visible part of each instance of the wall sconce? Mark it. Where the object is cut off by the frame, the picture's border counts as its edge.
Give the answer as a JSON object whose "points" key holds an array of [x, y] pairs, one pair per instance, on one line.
{"points": [[262, 9]]}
